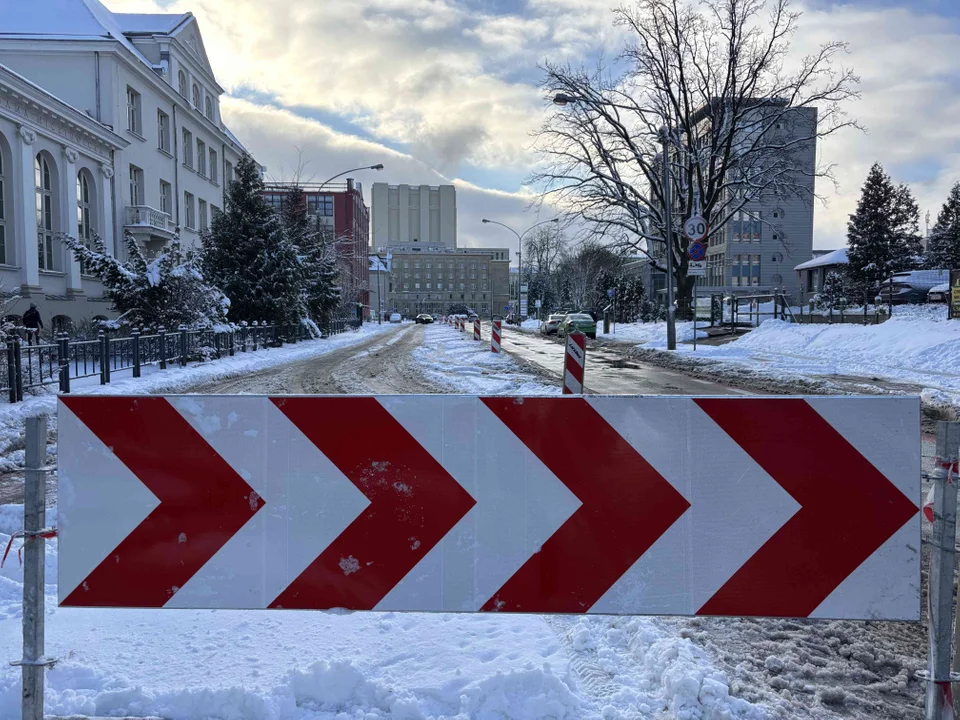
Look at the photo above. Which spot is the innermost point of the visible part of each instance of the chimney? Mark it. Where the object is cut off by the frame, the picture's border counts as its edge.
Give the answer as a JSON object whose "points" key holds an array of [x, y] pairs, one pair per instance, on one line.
{"points": [[349, 184]]}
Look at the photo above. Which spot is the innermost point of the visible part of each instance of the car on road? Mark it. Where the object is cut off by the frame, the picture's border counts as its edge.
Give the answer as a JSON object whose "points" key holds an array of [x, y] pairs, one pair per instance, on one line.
{"points": [[578, 321], [911, 286], [395, 317], [423, 319], [939, 293], [550, 325]]}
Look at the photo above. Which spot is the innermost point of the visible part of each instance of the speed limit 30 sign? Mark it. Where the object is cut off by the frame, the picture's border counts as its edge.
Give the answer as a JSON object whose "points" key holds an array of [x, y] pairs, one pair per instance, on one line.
{"points": [[695, 228]]}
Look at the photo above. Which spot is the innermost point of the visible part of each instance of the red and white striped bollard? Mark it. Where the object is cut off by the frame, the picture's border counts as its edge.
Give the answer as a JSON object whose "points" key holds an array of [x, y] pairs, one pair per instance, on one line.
{"points": [[575, 359], [476, 329], [495, 337]]}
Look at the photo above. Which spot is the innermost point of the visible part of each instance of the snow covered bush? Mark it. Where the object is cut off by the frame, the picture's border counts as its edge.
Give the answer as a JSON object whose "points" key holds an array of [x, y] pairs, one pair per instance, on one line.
{"points": [[832, 295], [167, 290]]}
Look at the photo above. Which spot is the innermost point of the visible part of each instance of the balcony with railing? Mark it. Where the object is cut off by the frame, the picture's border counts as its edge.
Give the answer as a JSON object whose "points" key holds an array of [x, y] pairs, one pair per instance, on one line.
{"points": [[145, 219]]}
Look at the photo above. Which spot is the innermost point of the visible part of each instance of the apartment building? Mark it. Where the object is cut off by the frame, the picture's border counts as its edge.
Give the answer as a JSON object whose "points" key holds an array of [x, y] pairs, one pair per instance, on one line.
{"points": [[137, 143]]}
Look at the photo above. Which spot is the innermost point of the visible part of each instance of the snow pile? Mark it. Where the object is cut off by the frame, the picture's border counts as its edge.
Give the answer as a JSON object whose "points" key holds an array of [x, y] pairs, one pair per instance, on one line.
{"points": [[529, 325], [649, 335], [917, 345], [455, 360]]}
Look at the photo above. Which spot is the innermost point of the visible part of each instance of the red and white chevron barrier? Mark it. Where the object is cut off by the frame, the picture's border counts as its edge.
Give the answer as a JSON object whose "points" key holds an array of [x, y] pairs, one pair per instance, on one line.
{"points": [[575, 359], [638, 505], [476, 329], [495, 331]]}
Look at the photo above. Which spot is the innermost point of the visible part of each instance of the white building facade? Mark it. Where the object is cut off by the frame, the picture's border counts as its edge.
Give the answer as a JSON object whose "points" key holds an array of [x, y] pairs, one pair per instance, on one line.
{"points": [[137, 145]]}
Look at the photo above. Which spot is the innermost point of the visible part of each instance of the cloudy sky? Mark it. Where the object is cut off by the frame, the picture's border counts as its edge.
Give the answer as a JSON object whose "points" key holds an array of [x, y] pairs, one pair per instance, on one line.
{"points": [[446, 90]]}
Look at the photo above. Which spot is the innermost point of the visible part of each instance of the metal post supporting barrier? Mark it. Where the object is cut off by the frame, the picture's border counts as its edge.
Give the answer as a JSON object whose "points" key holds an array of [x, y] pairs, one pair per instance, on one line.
{"points": [[162, 339], [106, 357], [216, 343], [33, 662], [232, 340], [135, 343], [18, 365], [939, 705], [64, 352], [256, 329]]}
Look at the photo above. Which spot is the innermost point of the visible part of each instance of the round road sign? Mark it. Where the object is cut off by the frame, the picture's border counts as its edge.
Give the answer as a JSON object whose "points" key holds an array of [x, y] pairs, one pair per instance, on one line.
{"points": [[697, 251], [695, 228]]}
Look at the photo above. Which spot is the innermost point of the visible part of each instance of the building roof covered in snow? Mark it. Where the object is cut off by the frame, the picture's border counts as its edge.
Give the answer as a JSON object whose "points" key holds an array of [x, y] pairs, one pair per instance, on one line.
{"points": [[837, 257]]}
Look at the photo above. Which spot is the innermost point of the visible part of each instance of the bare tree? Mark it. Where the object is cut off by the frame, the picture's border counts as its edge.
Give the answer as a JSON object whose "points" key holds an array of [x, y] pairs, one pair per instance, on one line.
{"points": [[714, 79], [543, 249]]}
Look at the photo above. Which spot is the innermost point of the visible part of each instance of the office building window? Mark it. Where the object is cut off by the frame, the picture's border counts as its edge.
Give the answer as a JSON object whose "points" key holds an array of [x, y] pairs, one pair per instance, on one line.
{"points": [[44, 193], [84, 232], [214, 168], [201, 157], [163, 131], [182, 83], [189, 211], [134, 123], [228, 172], [196, 96], [202, 215], [208, 107]]}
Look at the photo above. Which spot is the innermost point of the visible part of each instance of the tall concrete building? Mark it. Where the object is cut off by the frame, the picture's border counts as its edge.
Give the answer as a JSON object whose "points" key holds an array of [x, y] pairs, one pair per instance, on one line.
{"points": [[760, 246], [414, 214]]}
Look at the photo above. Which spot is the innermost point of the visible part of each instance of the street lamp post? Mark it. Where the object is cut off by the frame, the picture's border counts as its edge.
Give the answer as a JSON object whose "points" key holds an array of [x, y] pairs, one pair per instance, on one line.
{"points": [[520, 251], [378, 166]]}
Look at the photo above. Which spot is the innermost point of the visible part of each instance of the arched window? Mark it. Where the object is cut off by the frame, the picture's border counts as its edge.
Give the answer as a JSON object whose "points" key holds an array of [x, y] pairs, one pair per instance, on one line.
{"points": [[84, 213], [196, 96], [182, 83], [44, 189], [208, 110]]}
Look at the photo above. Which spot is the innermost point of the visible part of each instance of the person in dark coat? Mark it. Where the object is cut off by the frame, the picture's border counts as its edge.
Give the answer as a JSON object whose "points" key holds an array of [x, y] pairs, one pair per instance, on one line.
{"points": [[33, 323]]}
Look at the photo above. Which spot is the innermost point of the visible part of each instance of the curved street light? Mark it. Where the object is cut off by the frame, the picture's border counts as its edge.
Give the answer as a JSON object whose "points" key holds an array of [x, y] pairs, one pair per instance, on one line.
{"points": [[520, 250], [378, 166]]}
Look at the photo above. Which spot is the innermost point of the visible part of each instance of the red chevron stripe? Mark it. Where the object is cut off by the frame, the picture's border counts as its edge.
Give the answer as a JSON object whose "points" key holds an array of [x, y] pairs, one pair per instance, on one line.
{"points": [[203, 502], [414, 502]]}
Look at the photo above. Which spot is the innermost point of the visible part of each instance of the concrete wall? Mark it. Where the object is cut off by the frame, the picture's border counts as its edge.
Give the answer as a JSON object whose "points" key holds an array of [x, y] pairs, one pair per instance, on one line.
{"points": [[404, 214]]}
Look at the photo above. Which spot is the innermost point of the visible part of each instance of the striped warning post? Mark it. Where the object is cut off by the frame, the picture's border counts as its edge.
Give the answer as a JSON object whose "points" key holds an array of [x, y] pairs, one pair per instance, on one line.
{"points": [[574, 361], [495, 337], [476, 329]]}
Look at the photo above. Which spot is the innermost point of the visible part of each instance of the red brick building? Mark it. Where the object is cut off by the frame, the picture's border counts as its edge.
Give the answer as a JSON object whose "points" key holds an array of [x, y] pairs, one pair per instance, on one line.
{"points": [[339, 209]]}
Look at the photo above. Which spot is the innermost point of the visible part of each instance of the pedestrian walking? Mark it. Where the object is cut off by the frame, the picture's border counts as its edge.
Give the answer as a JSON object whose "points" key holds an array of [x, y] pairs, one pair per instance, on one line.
{"points": [[33, 323]]}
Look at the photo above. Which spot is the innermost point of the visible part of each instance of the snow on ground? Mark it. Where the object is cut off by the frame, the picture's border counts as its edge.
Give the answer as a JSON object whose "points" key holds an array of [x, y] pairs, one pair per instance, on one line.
{"points": [[154, 381], [456, 361], [650, 335]]}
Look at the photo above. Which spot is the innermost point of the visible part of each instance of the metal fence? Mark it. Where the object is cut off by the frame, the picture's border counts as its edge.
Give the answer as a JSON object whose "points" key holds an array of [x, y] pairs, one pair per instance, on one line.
{"points": [[28, 365]]}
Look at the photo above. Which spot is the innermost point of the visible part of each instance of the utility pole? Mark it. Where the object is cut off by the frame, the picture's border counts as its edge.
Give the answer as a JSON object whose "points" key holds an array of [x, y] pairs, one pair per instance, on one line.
{"points": [[668, 237]]}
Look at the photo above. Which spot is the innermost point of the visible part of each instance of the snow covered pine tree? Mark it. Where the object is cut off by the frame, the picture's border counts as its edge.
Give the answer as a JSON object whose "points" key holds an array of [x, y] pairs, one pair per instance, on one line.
{"points": [[883, 234], [944, 249], [168, 290], [832, 295], [247, 253]]}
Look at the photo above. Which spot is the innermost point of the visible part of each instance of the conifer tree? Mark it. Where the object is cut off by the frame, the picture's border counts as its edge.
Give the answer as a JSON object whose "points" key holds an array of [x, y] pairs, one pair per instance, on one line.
{"points": [[247, 254], [944, 249], [883, 234]]}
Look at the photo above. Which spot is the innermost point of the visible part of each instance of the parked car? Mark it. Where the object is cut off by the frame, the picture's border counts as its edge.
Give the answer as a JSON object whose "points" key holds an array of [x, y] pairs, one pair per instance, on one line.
{"points": [[550, 325], [939, 293], [578, 321], [423, 319], [912, 286], [395, 317]]}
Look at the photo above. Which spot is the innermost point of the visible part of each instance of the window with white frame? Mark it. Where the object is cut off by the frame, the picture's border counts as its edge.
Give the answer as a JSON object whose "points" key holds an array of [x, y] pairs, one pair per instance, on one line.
{"points": [[3, 217], [201, 157], [196, 96], [163, 131], [214, 168], [187, 148], [84, 210], [189, 211], [182, 83], [136, 185], [166, 197], [202, 215], [44, 193], [134, 122]]}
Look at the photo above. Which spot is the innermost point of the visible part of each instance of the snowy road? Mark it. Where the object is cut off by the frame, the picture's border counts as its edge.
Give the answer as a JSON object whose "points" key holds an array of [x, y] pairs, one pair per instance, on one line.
{"points": [[196, 665]]}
